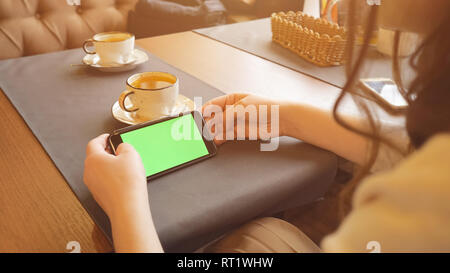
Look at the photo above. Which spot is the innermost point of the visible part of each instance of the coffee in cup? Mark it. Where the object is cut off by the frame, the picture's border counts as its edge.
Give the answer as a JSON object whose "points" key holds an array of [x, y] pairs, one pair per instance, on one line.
{"points": [[111, 47], [152, 94]]}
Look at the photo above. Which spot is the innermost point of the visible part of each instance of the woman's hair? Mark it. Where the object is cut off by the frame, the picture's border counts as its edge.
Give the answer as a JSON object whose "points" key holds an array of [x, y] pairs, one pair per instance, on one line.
{"points": [[428, 95]]}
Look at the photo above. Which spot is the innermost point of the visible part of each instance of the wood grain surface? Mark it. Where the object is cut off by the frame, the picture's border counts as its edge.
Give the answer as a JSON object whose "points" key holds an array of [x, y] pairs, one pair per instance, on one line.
{"points": [[38, 210]]}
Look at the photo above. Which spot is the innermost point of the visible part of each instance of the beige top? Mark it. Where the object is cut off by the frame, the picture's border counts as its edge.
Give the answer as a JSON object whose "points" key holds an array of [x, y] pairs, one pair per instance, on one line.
{"points": [[404, 209]]}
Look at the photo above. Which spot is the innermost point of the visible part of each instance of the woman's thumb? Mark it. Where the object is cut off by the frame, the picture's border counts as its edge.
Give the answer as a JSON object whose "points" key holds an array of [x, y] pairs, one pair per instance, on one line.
{"points": [[125, 148]]}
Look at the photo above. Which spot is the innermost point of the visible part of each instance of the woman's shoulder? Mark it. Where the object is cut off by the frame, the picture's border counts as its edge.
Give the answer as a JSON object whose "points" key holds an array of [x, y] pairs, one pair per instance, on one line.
{"points": [[403, 209], [424, 172]]}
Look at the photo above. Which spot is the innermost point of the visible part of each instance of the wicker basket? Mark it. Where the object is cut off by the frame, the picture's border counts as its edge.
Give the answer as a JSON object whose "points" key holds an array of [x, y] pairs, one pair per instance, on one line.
{"points": [[316, 40]]}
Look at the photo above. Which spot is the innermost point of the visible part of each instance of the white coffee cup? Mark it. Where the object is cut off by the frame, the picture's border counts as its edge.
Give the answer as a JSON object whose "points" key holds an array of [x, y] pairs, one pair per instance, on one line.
{"points": [[152, 94], [111, 47]]}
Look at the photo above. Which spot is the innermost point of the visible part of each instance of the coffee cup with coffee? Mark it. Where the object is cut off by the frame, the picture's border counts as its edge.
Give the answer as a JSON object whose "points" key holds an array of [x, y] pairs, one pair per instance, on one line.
{"points": [[152, 94], [112, 47]]}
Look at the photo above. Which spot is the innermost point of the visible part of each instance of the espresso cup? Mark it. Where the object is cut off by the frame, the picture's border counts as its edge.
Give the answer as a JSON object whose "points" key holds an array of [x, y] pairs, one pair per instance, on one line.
{"points": [[111, 47], [152, 94]]}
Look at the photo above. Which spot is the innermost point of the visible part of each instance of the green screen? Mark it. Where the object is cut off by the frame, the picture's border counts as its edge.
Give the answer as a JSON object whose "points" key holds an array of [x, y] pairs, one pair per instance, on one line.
{"points": [[167, 144]]}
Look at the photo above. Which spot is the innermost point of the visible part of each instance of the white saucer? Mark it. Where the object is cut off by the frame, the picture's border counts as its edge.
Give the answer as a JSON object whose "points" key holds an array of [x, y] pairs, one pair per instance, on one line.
{"points": [[183, 104], [138, 57]]}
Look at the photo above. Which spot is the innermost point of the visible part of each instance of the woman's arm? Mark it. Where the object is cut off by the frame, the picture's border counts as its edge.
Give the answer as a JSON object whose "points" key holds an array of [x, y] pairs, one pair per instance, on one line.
{"points": [[133, 229], [318, 127], [307, 123], [118, 184]]}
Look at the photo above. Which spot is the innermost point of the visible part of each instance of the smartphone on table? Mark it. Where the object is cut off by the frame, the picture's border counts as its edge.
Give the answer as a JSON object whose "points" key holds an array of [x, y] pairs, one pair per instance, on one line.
{"points": [[167, 144], [384, 91]]}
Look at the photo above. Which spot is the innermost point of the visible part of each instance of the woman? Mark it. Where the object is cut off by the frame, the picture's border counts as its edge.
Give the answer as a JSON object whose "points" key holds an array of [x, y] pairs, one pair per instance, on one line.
{"points": [[404, 209]]}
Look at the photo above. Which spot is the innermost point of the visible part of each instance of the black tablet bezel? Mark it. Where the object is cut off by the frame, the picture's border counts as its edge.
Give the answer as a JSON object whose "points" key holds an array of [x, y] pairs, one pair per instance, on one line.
{"points": [[115, 139]]}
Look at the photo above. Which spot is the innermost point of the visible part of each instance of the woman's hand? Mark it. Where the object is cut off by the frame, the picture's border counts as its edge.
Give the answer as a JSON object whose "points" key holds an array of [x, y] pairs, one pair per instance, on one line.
{"points": [[262, 120], [309, 123], [114, 180], [118, 184]]}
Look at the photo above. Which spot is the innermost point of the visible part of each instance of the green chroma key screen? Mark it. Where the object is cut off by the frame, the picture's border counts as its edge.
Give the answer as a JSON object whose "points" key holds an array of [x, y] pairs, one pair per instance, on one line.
{"points": [[167, 144]]}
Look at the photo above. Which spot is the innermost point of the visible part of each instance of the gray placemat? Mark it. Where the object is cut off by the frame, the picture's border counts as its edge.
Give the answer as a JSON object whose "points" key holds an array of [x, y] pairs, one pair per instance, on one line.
{"points": [[67, 106], [255, 37]]}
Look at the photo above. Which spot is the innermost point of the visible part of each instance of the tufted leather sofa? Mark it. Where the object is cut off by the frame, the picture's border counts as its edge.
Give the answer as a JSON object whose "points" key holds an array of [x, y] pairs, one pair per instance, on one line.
{"points": [[29, 27]]}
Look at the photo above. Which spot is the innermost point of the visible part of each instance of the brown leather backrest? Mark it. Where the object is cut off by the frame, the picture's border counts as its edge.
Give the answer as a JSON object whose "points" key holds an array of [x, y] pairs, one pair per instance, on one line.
{"points": [[29, 27]]}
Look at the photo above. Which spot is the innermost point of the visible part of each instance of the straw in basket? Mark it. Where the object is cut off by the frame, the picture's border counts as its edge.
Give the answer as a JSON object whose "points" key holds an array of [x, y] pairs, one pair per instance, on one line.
{"points": [[314, 39]]}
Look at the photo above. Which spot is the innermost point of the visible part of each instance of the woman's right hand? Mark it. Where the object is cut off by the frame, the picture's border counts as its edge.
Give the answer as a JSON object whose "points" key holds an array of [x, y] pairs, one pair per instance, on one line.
{"points": [[247, 125], [299, 120]]}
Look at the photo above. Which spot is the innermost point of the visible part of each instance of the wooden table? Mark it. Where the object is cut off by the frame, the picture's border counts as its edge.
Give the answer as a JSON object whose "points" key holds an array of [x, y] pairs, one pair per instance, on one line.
{"points": [[38, 210]]}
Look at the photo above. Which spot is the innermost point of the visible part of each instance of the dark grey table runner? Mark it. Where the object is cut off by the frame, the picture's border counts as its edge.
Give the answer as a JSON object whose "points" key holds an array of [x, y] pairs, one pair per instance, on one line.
{"points": [[66, 106], [255, 37]]}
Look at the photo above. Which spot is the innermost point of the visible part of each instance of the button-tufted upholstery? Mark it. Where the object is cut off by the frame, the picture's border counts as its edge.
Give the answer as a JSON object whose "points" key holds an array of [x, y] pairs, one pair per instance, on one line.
{"points": [[29, 27]]}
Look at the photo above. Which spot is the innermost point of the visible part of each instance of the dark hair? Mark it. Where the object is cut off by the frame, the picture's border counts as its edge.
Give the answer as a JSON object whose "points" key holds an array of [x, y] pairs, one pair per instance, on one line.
{"points": [[429, 113], [428, 95]]}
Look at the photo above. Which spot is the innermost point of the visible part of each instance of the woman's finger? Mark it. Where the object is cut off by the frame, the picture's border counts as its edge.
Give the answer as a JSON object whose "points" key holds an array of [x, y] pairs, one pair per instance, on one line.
{"points": [[97, 145]]}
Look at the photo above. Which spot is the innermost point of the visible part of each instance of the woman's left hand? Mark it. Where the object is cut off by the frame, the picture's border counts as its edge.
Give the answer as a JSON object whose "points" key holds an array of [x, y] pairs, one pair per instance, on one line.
{"points": [[119, 185], [115, 181]]}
